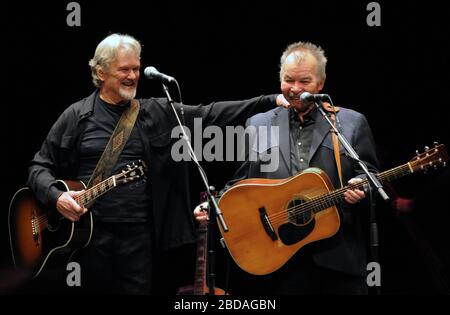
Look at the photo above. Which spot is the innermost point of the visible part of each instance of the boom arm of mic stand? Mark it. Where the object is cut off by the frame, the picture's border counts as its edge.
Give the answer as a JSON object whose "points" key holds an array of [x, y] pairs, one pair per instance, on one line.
{"points": [[217, 211], [352, 153]]}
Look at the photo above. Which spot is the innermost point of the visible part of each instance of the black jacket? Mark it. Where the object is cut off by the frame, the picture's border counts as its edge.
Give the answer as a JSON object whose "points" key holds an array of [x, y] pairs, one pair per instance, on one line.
{"points": [[169, 181]]}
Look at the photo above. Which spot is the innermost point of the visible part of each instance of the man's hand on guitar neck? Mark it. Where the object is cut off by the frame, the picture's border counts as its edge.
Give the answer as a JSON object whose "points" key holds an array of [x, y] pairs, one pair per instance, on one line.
{"points": [[353, 196], [68, 207], [201, 213]]}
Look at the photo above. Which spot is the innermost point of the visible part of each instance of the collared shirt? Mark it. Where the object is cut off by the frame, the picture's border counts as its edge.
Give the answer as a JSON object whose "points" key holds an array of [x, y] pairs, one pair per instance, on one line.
{"points": [[300, 134]]}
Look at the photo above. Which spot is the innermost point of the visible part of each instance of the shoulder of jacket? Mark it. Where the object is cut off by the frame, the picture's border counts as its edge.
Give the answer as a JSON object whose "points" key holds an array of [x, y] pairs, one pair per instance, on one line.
{"points": [[350, 112], [152, 103], [266, 117], [84, 105], [329, 108]]}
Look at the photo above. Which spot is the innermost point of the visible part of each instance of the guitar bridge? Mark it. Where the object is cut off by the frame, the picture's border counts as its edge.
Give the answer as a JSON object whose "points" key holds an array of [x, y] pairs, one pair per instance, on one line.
{"points": [[35, 228], [266, 224]]}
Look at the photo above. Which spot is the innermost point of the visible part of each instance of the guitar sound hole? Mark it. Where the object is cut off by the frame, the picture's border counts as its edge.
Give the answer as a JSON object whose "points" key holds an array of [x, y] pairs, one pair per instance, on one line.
{"points": [[296, 215]]}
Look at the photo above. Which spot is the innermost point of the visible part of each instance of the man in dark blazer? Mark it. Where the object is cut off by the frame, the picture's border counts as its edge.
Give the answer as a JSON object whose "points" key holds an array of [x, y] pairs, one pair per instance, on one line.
{"points": [[303, 139]]}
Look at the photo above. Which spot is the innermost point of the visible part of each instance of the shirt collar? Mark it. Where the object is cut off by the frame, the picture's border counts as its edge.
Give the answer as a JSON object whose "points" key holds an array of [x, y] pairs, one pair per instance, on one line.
{"points": [[305, 117]]}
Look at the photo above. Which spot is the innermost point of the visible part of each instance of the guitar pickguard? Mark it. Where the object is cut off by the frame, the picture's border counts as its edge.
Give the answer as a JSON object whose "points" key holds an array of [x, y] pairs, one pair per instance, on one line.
{"points": [[301, 223], [291, 234]]}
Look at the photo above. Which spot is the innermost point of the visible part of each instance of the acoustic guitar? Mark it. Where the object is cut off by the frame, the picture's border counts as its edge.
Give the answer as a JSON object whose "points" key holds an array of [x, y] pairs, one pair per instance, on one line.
{"points": [[200, 286], [201, 283], [37, 233], [269, 220]]}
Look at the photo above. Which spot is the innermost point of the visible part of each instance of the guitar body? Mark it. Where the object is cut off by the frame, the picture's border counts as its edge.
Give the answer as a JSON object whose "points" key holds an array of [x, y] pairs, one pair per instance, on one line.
{"points": [[38, 234], [261, 246]]}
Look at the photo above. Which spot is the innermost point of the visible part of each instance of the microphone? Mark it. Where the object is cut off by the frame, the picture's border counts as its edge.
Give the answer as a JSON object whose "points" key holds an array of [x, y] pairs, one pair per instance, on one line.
{"points": [[307, 97], [152, 73]]}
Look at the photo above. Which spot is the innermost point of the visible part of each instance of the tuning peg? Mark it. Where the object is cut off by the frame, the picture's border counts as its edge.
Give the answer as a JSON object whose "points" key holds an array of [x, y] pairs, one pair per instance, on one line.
{"points": [[427, 148], [435, 143], [417, 152]]}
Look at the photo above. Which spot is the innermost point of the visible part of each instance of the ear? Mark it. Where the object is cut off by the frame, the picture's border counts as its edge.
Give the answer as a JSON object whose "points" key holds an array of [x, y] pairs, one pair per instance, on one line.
{"points": [[321, 84], [100, 73]]}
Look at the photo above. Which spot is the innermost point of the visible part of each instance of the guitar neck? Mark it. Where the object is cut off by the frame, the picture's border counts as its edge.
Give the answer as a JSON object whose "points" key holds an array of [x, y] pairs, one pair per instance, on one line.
{"points": [[330, 199], [96, 191], [200, 268]]}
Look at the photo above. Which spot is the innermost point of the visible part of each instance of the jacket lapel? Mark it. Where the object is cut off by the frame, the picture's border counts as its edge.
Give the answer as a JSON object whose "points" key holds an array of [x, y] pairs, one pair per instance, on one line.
{"points": [[320, 131], [281, 119]]}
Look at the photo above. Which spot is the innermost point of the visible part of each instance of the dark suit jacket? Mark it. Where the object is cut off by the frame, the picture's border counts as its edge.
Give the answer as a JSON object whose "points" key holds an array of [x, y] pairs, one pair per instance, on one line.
{"points": [[345, 251]]}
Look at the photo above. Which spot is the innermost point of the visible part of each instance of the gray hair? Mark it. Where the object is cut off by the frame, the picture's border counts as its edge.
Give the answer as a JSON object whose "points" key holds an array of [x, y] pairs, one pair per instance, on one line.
{"points": [[106, 53], [300, 49]]}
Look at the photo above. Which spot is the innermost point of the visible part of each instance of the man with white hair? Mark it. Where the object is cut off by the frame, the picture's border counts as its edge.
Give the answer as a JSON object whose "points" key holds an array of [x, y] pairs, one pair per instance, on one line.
{"points": [[132, 221]]}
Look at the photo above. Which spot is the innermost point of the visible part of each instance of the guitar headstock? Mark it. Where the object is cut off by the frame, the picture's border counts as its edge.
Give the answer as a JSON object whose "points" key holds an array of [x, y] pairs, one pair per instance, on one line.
{"points": [[132, 172], [431, 157]]}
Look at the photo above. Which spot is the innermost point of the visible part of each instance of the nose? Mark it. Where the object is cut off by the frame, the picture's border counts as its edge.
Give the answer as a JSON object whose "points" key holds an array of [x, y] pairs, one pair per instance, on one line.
{"points": [[132, 75], [297, 88]]}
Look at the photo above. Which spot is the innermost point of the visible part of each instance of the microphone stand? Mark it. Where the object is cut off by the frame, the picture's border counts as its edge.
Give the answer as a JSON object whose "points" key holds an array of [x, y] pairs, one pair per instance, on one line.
{"points": [[374, 183], [211, 200]]}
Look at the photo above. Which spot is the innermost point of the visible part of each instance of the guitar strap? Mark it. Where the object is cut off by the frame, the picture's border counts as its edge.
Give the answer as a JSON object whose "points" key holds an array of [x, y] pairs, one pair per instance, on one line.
{"points": [[115, 144], [333, 111]]}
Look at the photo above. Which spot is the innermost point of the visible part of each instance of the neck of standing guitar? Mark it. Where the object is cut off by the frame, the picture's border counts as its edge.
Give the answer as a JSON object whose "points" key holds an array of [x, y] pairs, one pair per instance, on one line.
{"points": [[200, 269]]}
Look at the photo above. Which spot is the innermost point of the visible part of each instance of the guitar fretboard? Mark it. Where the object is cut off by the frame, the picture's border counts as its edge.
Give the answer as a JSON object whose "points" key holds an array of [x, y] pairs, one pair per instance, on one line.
{"points": [[330, 199], [96, 191], [200, 268]]}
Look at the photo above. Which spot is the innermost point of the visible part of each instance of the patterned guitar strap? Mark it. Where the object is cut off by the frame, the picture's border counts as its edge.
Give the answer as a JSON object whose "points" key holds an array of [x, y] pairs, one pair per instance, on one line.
{"points": [[115, 144], [333, 110]]}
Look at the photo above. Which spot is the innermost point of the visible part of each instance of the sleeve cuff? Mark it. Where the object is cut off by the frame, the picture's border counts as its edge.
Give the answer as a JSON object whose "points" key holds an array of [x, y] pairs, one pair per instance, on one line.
{"points": [[53, 195]]}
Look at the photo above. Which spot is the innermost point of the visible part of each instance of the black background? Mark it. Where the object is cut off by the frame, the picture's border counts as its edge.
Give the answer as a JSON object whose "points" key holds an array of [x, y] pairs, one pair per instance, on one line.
{"points": [[395, 74]]}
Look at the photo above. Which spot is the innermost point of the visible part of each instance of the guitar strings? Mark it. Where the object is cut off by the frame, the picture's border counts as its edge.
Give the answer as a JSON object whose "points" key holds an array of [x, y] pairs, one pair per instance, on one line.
{"points": [[83, 198], [330, 199], [317, 203], [311, 205]]}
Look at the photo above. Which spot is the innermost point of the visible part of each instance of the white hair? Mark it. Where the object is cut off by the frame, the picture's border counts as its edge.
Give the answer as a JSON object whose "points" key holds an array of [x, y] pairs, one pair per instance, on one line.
{"points": [[106, 53], [300, 49]]}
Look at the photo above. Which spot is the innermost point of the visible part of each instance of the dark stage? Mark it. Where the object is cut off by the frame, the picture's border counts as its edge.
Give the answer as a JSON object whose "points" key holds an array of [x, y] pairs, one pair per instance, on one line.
{"points": [[396, 74]]}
